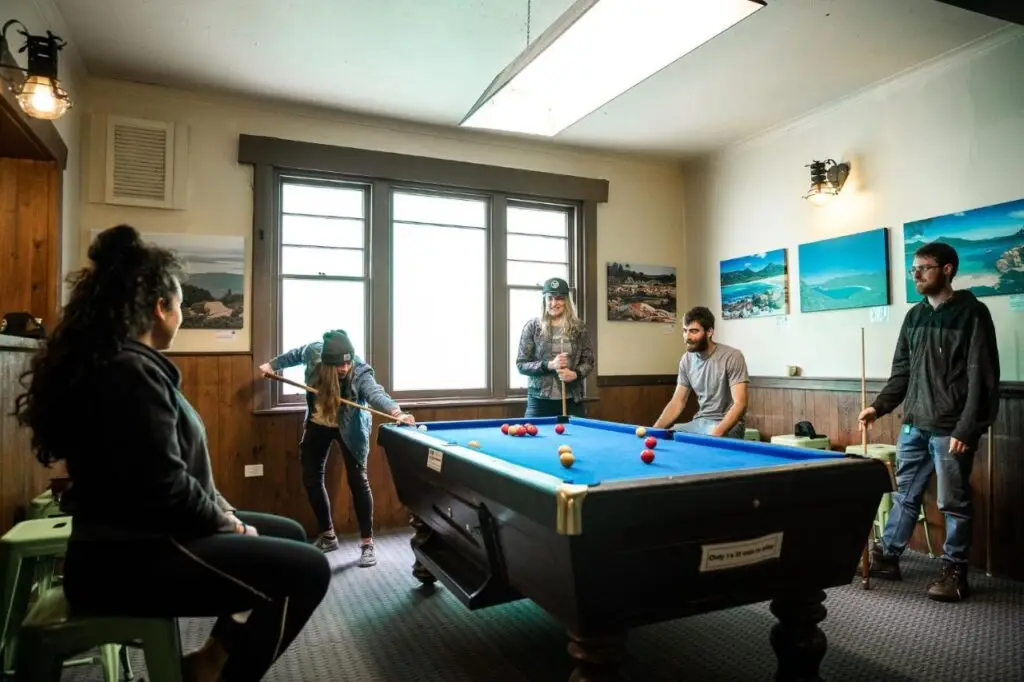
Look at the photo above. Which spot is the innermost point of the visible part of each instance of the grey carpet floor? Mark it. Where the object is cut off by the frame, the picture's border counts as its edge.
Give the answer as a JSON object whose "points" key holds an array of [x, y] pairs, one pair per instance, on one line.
{"points": [[377, 625]]}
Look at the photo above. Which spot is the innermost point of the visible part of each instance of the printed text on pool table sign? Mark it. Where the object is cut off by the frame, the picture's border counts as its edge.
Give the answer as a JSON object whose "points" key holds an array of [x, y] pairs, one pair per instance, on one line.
{"points": [[743, 553]]}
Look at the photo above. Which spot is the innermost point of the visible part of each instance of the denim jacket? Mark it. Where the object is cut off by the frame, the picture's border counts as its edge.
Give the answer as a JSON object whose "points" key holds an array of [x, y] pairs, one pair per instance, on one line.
{"points": [[533, 348], [354, 425]]}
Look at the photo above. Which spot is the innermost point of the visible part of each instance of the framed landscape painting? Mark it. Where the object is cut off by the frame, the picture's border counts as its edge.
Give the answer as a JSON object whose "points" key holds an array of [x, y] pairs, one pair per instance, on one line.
{"points": [[989, 242], [845, 272], [755, 285], [641, 293]]}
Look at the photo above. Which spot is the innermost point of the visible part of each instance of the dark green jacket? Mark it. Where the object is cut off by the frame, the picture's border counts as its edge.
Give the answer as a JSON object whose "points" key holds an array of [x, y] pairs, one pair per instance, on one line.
{"points": [[945, 369]]}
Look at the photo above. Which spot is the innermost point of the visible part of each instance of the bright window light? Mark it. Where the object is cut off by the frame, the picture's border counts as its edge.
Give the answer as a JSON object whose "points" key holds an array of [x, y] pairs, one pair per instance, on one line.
{"points": [[609, 49]]}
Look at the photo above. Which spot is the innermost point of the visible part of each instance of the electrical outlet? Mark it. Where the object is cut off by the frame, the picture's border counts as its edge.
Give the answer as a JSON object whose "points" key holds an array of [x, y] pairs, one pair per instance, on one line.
{"points": [[252, 470]]}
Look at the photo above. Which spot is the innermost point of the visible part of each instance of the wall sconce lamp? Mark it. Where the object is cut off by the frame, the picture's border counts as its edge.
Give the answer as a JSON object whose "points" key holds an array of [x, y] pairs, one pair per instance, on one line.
{"points": [[827, 179], [39, 93]]}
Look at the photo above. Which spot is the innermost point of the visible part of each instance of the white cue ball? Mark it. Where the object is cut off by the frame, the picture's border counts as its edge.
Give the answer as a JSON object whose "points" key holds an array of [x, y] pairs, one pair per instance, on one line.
{"points": [[422, 427]]}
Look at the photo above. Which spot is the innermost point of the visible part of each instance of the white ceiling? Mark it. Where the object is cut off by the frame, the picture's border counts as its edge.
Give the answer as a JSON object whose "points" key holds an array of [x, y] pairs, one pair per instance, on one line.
{"points": [[429, 60]]}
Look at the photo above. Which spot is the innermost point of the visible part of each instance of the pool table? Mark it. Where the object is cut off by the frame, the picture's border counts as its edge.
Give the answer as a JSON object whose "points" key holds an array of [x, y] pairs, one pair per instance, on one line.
{"points": [[612, 542]]}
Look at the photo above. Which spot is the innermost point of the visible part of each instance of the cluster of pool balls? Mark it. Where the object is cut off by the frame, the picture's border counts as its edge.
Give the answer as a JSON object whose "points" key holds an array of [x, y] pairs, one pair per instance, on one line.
{"points": [[647, 454], [565, 453]]}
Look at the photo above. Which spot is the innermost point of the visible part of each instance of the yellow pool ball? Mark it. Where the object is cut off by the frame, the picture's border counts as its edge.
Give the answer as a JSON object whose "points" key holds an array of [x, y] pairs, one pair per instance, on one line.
{"points": [[563, 449], [566, 459], [473, 444], [641, 432]]}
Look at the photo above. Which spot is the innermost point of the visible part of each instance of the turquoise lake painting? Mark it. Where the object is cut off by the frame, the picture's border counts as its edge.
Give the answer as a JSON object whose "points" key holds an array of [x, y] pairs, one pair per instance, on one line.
{"points": [[755, 285], [989, 242], [845, 272]]}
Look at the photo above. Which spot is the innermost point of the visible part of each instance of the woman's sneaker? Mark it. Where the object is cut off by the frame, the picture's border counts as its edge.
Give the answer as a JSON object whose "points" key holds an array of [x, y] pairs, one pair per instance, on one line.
{"points": [[368, 557], [327, 542]]}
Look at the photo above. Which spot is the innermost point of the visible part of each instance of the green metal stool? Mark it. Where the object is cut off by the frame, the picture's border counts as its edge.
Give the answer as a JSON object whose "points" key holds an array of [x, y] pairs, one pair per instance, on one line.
{"points": [[44, 506], [50, 634], [28, 554], [752, 434], [818, 443]]}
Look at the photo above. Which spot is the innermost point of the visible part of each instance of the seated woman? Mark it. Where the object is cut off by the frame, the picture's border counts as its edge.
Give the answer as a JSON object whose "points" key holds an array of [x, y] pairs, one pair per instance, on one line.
{"points": [[555, 354], [152, 536]]}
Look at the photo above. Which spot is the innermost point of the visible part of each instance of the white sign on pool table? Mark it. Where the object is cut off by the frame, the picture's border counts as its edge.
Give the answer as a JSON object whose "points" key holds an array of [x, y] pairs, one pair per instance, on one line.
{"points": [[434, 458], [742, 553]]}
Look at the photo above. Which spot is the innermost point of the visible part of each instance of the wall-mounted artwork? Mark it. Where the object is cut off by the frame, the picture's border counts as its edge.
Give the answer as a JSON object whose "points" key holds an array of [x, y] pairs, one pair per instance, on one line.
{"points": [[845, 272], [641, 293], [213, 286], [755, 285], [989, 242]]}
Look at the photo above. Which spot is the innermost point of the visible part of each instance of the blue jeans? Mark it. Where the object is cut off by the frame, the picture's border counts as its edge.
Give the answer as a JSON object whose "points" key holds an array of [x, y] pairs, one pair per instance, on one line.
{"points": [[704, 426], [919, 453]]}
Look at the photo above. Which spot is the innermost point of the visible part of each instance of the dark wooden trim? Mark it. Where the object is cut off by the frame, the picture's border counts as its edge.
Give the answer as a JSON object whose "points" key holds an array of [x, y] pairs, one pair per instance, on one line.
{"points": [[322, 158], [42, 142], [1007, 389], [586, 259], [264, 318], [620, 380]]}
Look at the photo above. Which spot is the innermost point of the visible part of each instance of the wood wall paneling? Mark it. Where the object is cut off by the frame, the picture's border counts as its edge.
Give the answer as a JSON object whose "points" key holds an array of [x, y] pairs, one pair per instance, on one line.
{"points": [[30, 238]]}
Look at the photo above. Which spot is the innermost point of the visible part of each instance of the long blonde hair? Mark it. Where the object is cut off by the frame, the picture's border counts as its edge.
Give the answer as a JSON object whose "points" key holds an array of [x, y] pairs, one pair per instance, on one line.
{"points": [[328, 386], [573, 325]]}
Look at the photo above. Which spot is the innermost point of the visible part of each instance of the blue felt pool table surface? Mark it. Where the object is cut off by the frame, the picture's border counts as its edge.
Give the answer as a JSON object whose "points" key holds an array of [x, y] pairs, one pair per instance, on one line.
{"points": [[608, 451]]}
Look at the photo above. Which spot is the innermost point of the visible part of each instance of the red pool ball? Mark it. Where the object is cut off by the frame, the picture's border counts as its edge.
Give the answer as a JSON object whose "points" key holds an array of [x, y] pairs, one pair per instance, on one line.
{"points": [[651, 442], [559, 429], [504, 429], [647, 456], [531, 429]]}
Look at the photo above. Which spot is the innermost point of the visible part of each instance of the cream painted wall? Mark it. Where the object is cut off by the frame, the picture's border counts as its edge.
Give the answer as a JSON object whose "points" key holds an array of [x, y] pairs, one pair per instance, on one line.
{"points": [[642, 221], [38, 16], [945, 138]]}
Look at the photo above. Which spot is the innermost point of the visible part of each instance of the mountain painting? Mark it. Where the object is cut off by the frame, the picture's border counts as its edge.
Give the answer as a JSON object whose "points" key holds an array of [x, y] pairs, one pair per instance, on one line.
{"points": [[989, 242], [213, 282], [755, 286], [845, 272]]}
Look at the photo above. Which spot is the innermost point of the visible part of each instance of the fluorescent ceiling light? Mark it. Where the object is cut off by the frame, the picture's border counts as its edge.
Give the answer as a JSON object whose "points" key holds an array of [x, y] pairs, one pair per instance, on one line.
{"points": [[594, 52]]}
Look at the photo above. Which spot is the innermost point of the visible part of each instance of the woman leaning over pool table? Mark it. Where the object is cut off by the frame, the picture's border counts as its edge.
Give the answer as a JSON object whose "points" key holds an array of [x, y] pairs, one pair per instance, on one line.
{"points": [[555, 348]]}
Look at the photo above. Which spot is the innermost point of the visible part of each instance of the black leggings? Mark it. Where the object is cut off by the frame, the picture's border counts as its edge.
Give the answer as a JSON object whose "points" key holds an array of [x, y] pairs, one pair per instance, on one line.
{"points": [[313, 451], [545, 407], [277, 575]]}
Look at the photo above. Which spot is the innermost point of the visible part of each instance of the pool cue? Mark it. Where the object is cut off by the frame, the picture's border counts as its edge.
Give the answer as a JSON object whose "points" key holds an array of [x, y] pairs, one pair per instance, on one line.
{"points": [[865, 579], [562, 350], [988, 508], [310, 389]]}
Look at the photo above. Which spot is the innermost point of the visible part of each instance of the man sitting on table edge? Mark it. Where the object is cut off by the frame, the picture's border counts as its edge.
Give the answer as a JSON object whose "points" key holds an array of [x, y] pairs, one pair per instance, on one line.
{"points": [[717, 373]]}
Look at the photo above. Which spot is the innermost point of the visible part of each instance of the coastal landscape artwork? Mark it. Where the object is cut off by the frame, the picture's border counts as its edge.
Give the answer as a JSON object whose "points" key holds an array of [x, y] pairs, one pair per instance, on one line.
{"points": [[641, 293], [845, 272], [989, 242], [213, 286], [755, 285]]}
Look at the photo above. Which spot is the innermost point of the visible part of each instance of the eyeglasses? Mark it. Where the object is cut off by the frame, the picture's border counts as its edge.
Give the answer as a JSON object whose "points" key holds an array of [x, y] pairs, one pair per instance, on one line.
{"points": [[920, 268]]}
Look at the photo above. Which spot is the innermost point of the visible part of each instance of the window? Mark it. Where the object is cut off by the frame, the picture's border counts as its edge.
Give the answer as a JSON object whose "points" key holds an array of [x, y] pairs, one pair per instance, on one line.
{"points": [[537, 249], [323, 265], [439, 293], [432, 266]]}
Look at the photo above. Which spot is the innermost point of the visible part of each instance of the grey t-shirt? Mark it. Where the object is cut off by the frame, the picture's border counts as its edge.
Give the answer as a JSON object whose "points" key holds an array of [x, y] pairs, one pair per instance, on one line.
{"points": [[712, 379]]}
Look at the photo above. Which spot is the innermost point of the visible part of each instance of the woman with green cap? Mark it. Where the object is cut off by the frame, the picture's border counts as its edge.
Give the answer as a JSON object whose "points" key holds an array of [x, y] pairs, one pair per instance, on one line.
{"points": [[556, 353], [336, 372]]}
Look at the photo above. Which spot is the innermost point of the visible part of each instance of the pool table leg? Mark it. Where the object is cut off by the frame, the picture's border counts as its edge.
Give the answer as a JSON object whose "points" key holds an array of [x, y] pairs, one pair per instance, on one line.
{"points": [[597, 657], [423, 533], [798, 641]]}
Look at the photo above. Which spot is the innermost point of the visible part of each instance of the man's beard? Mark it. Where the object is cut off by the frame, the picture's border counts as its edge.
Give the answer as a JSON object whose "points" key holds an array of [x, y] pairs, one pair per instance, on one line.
{"points": [[935, 287], [697, 346]]}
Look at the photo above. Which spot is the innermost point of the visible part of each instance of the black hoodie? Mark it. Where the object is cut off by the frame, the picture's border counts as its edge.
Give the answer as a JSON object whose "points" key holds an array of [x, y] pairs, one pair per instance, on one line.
{"points": [[141, 467], [945, 369]]}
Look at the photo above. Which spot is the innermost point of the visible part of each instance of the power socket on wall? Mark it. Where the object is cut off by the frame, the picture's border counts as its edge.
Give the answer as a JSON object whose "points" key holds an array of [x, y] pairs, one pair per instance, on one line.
{"points": [[253, 470]]}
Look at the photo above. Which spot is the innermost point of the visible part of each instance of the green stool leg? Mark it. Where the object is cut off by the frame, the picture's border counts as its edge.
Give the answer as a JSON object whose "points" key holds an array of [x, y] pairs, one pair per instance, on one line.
{"points": [[110, 660], [161, 645]]}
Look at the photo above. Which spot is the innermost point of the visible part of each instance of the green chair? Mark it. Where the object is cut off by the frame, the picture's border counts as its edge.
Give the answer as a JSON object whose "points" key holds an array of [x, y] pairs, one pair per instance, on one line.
{"points": [[819, 443], [28, 555], [752, 434], [887, 453], [50, 634]]}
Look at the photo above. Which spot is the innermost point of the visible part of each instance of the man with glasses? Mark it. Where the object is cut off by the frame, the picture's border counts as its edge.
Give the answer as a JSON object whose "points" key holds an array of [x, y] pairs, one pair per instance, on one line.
{"points": [[945, 371]]}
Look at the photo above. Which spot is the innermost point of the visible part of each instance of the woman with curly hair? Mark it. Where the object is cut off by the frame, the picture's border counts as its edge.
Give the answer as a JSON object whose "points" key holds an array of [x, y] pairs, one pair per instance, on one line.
{"points": [[152, 536]]}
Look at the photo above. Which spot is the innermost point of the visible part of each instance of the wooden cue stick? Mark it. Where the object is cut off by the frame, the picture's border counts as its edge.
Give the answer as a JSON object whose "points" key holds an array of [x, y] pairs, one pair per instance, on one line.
{"points": [[988, 507], [310, 389], [865, 579], [562, 350]]}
